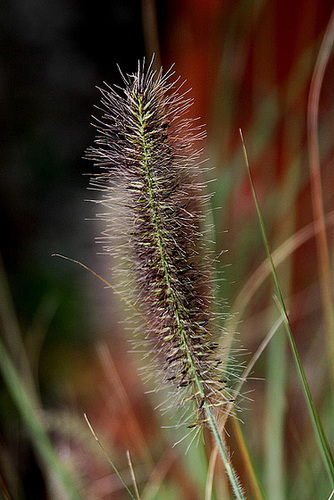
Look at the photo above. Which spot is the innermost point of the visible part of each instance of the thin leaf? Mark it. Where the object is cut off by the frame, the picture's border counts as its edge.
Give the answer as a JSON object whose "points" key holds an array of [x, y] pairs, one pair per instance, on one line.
{"points": [[132, 475], [319, 431], [107, 457], [316, 185], [39, 436]]}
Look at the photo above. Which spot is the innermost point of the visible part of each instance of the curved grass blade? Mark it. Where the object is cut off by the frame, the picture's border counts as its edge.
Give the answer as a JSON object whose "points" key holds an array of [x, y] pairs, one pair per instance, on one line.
{"points": [[316, 185], [107, 457], [38, 434], [319, 431]]}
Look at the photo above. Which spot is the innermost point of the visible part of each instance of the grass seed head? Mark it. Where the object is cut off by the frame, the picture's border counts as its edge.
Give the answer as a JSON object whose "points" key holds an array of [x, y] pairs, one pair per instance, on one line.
{"points": [[149, 168]]}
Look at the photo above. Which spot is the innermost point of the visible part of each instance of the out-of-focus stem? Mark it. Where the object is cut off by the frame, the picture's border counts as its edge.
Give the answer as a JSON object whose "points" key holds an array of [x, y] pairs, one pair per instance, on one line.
{"points": [[316, 187]]}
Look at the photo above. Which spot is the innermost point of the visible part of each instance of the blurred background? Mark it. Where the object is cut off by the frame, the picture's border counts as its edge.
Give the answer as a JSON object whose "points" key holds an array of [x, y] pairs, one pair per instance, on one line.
{"points": [[249, 64]]}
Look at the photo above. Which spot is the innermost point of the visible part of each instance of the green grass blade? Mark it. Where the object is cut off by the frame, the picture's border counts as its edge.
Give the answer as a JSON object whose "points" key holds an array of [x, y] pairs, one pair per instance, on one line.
{"points": [[38, 434], [108, 458], [319, 431]]}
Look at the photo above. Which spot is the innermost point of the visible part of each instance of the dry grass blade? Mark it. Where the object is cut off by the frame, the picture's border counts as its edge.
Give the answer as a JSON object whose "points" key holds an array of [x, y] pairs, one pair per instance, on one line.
{"points": [[316, 184], [109, 285], [123, 401], [257, 488], [254, 282], [132, 475], [158, 474]]}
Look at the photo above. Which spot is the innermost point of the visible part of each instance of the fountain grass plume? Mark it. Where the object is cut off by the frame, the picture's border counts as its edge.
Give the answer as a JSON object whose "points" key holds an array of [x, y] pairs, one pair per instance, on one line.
{"points": [[152, 183]]}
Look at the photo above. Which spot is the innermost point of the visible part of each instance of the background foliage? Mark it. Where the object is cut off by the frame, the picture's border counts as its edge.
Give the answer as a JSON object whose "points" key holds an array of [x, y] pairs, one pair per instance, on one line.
{"points": [[249, 64]]}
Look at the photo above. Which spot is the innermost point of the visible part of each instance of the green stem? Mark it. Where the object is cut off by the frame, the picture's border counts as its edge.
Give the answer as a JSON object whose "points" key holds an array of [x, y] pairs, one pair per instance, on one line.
{"points": [[239, 494], [184, 341], [319, 431]]}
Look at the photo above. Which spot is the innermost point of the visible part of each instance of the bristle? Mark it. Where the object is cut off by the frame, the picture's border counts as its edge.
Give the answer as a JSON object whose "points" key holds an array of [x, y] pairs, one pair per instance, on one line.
{"points": [[148, 168]]}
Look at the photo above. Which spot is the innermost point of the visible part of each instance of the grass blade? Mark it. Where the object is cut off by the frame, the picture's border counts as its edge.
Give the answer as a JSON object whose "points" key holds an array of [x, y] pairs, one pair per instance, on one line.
{"points": [[258, 490], [133, 475], [316, 185], [319, 431], [37, 432], [108, 458]]}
